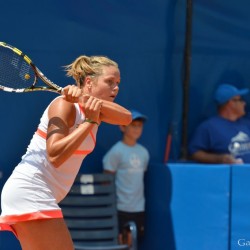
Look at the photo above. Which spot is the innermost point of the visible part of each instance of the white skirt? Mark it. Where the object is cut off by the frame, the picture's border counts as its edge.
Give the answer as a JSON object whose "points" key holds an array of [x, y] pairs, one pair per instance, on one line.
{"points": [[26, 196]]}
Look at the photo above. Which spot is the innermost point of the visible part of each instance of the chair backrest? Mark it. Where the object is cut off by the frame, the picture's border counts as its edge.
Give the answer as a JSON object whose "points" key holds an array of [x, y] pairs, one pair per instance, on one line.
{"points": [[90, 210]]}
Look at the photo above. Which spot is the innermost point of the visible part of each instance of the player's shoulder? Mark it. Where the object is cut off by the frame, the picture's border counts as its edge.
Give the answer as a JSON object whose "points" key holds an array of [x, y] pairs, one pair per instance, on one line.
{"points": [[62, 108], [60, 102]]}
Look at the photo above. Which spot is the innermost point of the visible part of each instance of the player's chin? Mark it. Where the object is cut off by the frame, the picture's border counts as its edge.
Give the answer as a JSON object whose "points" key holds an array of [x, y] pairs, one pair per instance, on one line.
{"points": [[111, 98]]}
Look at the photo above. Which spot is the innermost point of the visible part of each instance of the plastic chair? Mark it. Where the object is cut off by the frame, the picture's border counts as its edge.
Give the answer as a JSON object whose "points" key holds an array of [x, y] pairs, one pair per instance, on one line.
{"points": [[90, 213]]}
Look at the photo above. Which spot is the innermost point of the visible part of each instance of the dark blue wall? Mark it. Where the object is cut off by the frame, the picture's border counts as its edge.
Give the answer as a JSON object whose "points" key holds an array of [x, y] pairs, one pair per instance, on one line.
{"points": [[220, 53], [147, 40], [140, 38]]}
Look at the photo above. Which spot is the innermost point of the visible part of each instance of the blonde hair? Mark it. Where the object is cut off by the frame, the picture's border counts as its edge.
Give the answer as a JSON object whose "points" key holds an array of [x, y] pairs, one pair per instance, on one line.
{"points": [[87, 66]]}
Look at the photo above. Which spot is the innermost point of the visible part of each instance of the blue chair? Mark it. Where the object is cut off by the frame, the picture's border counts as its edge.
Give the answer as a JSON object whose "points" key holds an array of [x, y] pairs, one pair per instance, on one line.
{"points": [[90, 213]]}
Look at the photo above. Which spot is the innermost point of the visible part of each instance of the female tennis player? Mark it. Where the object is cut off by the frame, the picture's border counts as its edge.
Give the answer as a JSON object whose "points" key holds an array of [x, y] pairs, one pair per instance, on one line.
{"points": [[65, 135]]}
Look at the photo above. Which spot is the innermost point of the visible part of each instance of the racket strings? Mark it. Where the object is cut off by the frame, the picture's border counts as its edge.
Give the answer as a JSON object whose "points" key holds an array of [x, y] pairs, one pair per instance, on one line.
{"points": [[15, 72]]}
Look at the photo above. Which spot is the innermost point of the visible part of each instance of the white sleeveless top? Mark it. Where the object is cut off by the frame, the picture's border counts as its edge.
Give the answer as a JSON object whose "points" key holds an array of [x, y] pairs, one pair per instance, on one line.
{"points": [[58, 180]]}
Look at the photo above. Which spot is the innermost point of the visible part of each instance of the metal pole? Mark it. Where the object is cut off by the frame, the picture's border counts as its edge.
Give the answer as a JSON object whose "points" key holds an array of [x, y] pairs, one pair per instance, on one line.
{"points": [[187, 68]]}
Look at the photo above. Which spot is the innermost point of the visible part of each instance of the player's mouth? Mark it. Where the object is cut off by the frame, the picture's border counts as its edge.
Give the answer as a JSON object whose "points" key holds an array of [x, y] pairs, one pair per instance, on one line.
{"points": [[113, 97]]}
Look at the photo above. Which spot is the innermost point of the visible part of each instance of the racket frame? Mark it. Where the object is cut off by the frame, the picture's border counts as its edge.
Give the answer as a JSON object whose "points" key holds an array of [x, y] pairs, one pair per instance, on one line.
{"points": [[51, 86]]}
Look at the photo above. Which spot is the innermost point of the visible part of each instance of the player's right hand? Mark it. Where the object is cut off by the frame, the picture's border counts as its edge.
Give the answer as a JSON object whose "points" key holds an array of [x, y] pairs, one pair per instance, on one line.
{"points": [[72, 93], [92, 107]]}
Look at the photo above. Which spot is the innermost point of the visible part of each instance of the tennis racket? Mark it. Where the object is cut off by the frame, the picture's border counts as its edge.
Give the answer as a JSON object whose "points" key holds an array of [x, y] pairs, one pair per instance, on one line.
{"points": [[19, 74]]}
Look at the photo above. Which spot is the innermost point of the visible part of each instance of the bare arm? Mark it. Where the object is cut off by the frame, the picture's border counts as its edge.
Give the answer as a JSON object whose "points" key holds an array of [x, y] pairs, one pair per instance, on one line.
{"points": [[60, 144], [113, 113], [202, 156]]}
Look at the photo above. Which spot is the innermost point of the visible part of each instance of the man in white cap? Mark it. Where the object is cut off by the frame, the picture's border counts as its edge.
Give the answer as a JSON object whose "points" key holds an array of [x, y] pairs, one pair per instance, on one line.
{"points": [[128, 160], [224, 138]]}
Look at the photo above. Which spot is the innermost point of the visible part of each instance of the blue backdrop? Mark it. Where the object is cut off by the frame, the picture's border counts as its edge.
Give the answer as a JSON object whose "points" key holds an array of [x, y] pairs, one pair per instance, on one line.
{"points": [[147, 40], [54, 33]]}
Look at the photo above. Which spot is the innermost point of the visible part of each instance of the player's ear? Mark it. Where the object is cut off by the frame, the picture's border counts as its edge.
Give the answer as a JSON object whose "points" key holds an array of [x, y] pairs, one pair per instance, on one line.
{"points": [[88, 82]]}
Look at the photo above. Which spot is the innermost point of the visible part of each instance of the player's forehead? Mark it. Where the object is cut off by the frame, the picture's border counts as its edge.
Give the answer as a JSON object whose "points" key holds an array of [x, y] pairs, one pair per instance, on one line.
{"points": [[110, 71]]}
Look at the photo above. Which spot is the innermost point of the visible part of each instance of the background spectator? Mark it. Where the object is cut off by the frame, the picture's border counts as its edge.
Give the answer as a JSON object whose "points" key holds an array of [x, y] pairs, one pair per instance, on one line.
{"points": [[129, 160], [224, 138]]}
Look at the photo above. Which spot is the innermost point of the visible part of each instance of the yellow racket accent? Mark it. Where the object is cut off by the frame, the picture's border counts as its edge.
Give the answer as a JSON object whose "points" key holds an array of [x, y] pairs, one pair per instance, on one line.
{"points": [[27, 76]]}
